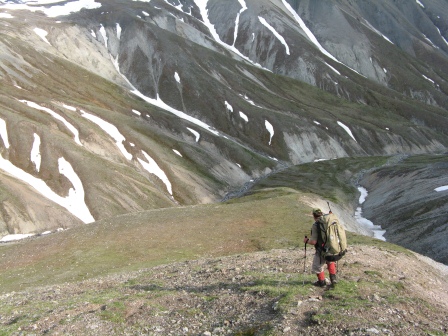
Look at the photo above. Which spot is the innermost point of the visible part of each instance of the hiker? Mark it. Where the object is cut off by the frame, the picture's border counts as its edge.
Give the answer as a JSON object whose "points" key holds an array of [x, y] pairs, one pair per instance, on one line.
{"points": [[318, 260]]}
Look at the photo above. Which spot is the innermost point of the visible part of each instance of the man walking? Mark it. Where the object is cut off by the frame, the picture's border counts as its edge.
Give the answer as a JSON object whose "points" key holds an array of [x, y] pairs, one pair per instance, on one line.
{"points": [[318, 260]]}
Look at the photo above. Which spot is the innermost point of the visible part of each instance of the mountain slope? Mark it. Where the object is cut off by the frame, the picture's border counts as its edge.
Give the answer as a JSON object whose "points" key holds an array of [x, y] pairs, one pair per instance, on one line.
{"points": [[164, 103], [236, 267]]}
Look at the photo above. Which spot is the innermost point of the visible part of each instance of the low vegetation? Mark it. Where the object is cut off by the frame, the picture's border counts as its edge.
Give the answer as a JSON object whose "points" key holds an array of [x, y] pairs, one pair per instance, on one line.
{"points": [[236, 267]]}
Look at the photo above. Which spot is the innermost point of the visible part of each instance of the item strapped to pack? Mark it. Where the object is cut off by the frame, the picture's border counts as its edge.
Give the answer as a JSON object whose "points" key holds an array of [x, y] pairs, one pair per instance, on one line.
{"points": [[332, 242]]}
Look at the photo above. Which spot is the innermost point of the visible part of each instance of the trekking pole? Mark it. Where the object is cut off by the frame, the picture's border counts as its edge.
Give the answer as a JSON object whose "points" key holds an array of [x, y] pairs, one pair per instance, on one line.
{"points": [[329, 207], [304, 265]]}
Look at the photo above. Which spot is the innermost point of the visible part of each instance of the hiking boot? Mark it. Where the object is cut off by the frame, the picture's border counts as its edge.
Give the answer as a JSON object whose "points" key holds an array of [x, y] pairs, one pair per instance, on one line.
{"points": [[333, 279], [320, 283]]}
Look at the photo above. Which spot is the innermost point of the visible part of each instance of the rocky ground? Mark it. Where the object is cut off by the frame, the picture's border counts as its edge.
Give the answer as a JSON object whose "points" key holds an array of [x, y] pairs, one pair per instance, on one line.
{"points": [[380, 292]]}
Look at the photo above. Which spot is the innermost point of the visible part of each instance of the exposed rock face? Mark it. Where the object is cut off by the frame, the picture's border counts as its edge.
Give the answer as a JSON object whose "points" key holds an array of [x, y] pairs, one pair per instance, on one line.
{"points": [[403, 199]]}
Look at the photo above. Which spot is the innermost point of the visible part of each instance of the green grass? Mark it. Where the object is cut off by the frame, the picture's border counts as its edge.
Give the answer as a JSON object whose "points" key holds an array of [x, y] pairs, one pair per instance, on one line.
{"points": [[268, 218], [333, 180], [149, 238]]}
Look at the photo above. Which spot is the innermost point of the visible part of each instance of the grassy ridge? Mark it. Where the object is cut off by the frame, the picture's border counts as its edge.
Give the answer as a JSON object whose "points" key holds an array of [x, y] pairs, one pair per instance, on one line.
{"points": [[271, 217], [149, 238], [333, 180]]}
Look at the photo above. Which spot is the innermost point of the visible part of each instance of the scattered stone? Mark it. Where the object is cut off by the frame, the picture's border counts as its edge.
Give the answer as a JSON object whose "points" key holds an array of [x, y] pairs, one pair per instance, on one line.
{"points": [[373, 331], [187, 300]]}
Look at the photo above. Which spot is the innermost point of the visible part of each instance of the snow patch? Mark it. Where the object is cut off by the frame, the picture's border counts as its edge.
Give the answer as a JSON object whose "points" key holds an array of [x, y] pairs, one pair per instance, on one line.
{"points": [[237, 20], [72, 128], [118, 30], [111, 130], [13, 237], [42, 34], [152, 167], [270, 129], [276, 34], [443, 188], [202, 5], [74, 202], [195, 133], [228, 106], [6, 16], [376, 229], [244, 117], [104, 35], [53, 11], [428, 79], [4, 133], [332, 68], [35, 152], [176, 76], [177, 152], [345, 127]]}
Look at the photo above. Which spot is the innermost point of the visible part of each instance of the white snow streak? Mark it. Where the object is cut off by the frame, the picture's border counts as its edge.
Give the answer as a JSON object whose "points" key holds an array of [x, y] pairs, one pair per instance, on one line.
{"points": [[118, 31], [152, 167], [376, 229], [243, 116], [420, 3], [13, 237], [4, 133], [430, 42], [176, 76], [35, 152], [56, 116], [377, 31], [202, 5], [111, 130], [276, 34], [74, 202], [42, 34], [104, 35], [177, 152], [443, 37], [158, 102], [237, 21], [308, 31], [347, 130], [196, 134], [444, 188], [53, 11], [228, 106], [270, 129], [428, 79], [311, 36], [71, 108], [332, 68], [6, 16], [250, 101]]}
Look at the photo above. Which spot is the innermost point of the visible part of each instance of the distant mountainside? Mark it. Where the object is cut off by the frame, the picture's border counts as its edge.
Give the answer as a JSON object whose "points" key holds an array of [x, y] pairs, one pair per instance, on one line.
{"points": [[115, 107]]}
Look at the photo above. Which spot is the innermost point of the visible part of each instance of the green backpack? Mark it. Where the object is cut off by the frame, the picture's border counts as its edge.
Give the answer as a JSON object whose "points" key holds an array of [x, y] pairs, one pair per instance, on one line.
{"points": [[331, 237]]}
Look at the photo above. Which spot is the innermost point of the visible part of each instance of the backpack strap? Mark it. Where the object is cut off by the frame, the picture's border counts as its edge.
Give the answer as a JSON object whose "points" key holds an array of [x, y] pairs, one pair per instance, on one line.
{"points": [[320, 240]]}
